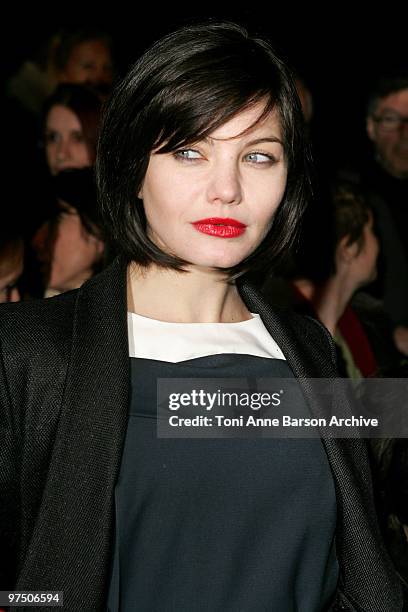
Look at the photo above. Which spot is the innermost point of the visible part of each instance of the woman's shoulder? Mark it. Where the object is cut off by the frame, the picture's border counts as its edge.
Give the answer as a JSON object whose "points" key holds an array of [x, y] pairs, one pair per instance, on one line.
{"points": [[306, 327], [311, 334], [294, 332]]}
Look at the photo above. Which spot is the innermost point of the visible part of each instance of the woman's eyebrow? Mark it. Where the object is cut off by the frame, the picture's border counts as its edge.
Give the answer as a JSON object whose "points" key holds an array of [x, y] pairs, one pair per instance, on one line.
{"points": [[266, 139], [209, 139]]}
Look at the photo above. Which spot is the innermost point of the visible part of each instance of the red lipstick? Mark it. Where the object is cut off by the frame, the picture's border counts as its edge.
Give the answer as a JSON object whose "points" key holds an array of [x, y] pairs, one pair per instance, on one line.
{"points": [[221, 227]]}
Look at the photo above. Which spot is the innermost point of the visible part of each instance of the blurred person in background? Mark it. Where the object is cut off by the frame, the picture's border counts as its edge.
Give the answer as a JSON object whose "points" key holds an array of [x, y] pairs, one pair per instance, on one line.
{"points": [[387, 128], [72, 118], [337, 257], [11, 261], [85, 56], [70, 128], [34, 80], [70, 244], [385, 176], [68, 135], [81, 56]]}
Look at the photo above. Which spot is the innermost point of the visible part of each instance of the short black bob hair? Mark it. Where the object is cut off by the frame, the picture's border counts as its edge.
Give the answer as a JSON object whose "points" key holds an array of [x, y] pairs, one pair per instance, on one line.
{"points": [[183, 88]]}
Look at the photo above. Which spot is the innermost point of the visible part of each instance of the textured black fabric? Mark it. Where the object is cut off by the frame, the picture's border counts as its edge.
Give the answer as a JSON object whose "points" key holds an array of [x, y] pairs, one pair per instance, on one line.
{"points": [[64, 393]]}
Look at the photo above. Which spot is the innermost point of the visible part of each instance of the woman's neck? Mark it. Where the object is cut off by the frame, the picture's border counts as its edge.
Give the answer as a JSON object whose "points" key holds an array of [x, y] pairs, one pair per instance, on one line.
{"points": [[329, 300], [198, 296]]}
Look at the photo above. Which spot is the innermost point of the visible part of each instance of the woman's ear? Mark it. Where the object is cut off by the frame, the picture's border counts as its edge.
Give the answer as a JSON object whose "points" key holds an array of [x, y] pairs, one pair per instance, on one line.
{"points": [[140, 194], [100, 247], [346, 251], [97, 243]]}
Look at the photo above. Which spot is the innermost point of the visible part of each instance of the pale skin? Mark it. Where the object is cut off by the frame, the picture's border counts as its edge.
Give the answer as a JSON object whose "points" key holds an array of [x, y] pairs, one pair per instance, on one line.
{"points": [[231, 174]]}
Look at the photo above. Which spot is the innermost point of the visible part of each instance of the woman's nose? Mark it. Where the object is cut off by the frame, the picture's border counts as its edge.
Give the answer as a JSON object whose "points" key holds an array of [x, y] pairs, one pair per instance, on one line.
{"points": [[225, 185], [63, 150]]}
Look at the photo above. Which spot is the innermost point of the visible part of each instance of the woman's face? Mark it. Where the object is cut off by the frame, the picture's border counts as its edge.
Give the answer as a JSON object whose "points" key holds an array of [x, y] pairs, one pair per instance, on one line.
{"points": [[213, 202], [65, 144], [74, 253]]}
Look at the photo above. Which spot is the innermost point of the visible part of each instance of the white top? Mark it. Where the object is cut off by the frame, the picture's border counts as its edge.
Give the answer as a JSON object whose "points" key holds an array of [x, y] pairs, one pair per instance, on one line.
{"points": [[163, 341]]}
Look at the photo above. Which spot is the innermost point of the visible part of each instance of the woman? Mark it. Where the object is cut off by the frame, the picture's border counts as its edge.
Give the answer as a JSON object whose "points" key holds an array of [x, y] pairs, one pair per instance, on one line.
{"points": [[70, 245], [71, 125], [338, 257], [202, 176], [70, 130]]}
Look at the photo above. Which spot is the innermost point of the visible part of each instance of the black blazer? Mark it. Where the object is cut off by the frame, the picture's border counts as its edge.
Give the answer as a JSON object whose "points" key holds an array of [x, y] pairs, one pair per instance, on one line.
{"points": [[64, 389]]}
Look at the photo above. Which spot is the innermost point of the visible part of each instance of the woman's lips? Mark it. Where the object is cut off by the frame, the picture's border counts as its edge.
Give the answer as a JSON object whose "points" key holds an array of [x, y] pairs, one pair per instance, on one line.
{"points": [[220, 227]]}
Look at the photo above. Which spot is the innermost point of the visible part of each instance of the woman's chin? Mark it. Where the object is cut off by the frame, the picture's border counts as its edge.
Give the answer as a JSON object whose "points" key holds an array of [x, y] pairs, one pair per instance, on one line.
{"points": [[214, 264], [221, 261]]}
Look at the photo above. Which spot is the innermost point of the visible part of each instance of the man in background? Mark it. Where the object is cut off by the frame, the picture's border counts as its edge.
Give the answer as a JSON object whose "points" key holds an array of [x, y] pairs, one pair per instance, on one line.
{"points": [[385, 176]]}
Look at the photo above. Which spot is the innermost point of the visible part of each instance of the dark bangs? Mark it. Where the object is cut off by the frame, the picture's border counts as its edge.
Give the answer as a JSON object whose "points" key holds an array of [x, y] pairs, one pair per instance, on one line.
{"points": [[189, 113], [180, 91]]}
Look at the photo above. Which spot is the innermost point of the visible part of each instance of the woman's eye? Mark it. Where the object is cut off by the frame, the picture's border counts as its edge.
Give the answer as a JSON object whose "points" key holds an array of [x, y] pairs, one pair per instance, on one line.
{"points": [[78, 137], [187, 154], [51, 137], [260, 158]]}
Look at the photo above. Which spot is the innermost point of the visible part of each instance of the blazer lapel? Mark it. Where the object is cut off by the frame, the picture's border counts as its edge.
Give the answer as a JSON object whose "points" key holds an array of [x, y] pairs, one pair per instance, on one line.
{"points": [[71, 545], [357, 526]]}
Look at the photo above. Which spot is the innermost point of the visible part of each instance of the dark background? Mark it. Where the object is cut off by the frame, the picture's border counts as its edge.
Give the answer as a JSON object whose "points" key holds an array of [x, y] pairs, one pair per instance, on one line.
{"points": [[338, 51]]}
